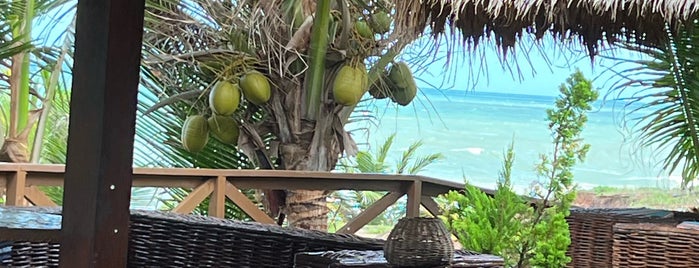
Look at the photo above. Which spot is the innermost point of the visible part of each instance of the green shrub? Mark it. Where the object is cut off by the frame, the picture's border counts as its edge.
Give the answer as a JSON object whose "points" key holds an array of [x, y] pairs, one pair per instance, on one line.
{"points": [[506, 225]]}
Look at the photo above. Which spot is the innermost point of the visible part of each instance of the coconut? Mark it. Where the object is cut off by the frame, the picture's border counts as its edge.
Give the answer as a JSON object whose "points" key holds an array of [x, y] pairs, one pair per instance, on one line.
{"points": [[224, 128], [402, 83], [404, 96], [224, 98], [381, 22], [400, 74], [195, 133], [350, 84], [255, 87], [379, 89], [363, 29]]}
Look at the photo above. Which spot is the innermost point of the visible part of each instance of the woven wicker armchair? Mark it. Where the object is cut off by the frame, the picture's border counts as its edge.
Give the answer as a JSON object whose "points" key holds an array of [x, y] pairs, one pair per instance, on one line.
{"points": [[159, 239], [651, 245], [592, 231]]}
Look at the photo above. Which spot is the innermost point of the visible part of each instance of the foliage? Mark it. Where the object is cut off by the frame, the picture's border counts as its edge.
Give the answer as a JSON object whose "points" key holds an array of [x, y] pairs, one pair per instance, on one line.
{"points": [[32, 71], [298, 45], [489, 224], [350, 203], [666, 95], [538, 235]]}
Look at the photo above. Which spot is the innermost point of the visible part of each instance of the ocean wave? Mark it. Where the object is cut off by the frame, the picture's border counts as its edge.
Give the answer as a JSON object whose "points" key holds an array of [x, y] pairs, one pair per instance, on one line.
{"points": [[472, 150]]}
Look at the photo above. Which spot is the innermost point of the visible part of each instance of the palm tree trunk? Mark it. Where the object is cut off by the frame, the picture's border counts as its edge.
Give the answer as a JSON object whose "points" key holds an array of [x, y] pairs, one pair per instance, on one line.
{"points": [[316, 151], [308, 209]]}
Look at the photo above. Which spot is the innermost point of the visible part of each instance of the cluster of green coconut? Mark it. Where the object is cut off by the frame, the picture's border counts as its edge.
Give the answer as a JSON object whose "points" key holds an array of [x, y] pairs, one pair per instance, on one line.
{"points": [[224, 100], [397, 83], [351, 81], [378, 23]]}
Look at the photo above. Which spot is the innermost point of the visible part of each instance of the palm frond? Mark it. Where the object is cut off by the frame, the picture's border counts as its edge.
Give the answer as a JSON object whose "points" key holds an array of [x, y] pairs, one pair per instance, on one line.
{"points": [[407, 156], [423, 161], [670, 100]]}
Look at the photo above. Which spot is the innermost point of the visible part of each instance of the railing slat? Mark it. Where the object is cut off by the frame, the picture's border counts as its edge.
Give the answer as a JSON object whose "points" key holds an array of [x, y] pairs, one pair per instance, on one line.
{"points": [[244, 203], [194, 198], [370, 213], [38, 197], [431, 206]]}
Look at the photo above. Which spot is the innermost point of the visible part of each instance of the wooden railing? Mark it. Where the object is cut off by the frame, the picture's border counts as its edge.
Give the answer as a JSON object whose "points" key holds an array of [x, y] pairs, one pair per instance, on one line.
{"points": [[21, 181]]}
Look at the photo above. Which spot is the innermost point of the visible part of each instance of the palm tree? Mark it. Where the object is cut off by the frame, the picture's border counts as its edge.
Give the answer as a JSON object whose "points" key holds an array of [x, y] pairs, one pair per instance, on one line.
{"points": [[300, 46], [31, 73]]}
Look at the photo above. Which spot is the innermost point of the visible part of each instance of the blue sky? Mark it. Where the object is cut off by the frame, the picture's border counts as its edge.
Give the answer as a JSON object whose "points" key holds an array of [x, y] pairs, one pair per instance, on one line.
{"points": [[552, 64]]}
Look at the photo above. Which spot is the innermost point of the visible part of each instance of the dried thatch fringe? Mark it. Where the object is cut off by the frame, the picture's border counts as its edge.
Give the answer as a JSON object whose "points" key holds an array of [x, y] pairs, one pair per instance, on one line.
{"points": [[592, 22]]}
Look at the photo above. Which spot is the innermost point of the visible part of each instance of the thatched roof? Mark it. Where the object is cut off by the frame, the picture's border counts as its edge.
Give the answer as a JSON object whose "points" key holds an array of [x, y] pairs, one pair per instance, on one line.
{"points": [[592, 22]]}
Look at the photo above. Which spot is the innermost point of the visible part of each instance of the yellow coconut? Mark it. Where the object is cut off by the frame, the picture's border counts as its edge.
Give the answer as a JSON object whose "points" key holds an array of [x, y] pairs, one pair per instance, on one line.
{"points": [[195, 133], [255, 87], [350, 84], [224, 98], [224, 128]]}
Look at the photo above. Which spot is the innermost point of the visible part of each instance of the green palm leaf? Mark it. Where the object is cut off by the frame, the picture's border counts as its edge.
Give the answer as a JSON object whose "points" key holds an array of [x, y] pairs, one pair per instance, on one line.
{"points": [[668, 98]]}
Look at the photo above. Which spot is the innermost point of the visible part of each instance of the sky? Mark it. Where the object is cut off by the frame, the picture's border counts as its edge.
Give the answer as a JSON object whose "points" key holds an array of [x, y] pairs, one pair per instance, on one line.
{"points": [[542, 67]]}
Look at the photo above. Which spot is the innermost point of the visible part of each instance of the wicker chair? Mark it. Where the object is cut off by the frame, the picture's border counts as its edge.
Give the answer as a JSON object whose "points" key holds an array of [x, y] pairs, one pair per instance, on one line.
{"points": [[655, 245], [592, 231], [159, 239]]}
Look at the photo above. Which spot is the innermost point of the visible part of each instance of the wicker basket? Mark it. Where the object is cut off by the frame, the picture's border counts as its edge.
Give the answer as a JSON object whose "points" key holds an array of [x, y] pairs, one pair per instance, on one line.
{"points": [[591, 231], [419, 242], [655, 245]]}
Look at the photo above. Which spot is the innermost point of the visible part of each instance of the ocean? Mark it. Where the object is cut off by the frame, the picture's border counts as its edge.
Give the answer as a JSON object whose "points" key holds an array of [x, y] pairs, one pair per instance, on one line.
{"points": [[473, 129]]}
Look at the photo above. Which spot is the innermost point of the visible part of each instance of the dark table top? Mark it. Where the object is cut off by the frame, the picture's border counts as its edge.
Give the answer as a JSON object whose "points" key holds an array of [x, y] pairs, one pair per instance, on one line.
{"points": [[375, 259]]}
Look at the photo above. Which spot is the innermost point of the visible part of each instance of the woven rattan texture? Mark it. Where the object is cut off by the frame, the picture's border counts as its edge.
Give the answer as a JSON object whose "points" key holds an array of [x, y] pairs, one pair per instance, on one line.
{"points": [[592, 231], [172, 240], [655, 245], [419, 242], [375, 259]]}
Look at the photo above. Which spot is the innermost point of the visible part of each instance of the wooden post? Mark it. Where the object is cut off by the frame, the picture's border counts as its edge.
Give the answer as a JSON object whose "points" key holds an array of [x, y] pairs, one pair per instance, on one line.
{"points": [[217, 202], [15, 189], [414, 198], [101, 135]]}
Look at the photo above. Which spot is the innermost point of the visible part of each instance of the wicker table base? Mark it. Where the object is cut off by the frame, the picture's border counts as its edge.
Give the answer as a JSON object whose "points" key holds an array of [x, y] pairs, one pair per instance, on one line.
{"points": [[375, 259]]}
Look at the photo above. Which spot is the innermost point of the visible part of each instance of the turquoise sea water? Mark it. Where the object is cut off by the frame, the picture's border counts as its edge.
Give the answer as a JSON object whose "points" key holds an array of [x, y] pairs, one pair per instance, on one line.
{"points": [[473, 129]]}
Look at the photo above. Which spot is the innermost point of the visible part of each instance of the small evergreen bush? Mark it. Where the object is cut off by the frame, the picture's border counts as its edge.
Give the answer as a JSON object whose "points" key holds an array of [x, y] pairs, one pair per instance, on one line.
{"points": [[506, 224]]}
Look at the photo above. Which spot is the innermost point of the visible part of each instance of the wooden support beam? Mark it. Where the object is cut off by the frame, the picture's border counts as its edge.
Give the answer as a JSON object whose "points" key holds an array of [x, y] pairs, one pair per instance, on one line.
{"points": [[431, 206], [38, 198], [98, 171], [244, 203], [370, 213], [195, 198], [414, 197], [15, 189], [217, 203]]}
